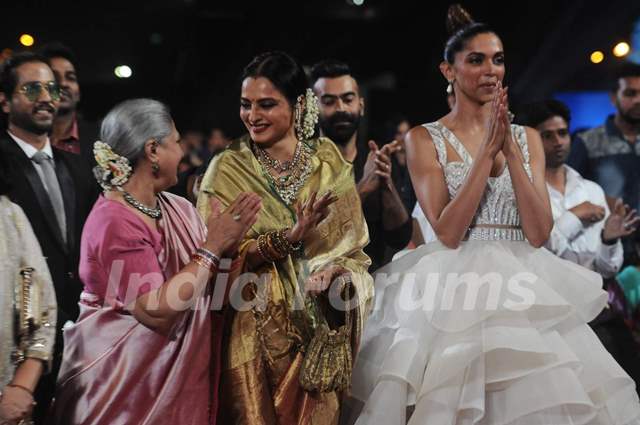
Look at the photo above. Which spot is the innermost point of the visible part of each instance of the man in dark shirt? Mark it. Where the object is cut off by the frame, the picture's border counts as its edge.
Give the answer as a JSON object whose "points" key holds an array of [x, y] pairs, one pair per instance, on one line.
{"points": [[610, 154], [341, 107], [70, 132]]}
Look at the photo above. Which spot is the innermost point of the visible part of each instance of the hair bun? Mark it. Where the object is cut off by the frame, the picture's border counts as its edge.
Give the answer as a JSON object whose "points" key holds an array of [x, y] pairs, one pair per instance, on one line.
{"points": [[457, 18]]}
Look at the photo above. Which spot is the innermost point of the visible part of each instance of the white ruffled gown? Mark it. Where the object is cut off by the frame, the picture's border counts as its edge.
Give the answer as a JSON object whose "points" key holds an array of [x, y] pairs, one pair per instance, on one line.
{"points": [[494, 332]]}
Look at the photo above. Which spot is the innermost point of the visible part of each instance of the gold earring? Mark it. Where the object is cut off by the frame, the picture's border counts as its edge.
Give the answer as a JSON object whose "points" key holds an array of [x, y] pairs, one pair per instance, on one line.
{"points": [[298, 111]]}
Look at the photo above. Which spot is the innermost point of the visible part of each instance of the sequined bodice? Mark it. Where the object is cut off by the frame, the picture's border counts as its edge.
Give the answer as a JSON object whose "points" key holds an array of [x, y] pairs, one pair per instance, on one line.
{"points": [[497, 217]]}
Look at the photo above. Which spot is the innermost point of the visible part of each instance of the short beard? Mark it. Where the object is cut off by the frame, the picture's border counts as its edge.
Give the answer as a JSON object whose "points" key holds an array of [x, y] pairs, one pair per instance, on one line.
{"points": [[25, 122], [634, 121], [551, 161], [553, 164], [340, 136]]}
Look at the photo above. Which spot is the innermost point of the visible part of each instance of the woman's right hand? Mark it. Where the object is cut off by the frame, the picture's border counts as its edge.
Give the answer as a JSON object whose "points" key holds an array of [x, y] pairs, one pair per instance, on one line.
{"points": [[16, 404], [309, 215], [225, 230], [496, 130]]}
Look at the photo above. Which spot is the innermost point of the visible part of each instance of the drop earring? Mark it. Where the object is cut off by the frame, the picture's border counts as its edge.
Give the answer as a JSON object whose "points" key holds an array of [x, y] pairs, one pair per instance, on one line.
{"points": [[450, 87]]}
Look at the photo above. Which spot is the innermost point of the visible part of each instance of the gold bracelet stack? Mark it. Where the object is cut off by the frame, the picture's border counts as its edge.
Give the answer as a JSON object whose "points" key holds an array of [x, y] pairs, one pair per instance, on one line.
{"points": [[274, 245]]}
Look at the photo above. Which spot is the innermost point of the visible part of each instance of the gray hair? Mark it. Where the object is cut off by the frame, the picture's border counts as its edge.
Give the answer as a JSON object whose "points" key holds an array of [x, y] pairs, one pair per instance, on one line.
{"points": [[130, 124]]}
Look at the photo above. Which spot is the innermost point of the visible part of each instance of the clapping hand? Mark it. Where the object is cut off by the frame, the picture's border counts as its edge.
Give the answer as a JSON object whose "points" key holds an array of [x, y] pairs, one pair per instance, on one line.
{"points": [[622, 222], [498, 123], [377, 168], [309, 214], [225, 230], [588, 213]]}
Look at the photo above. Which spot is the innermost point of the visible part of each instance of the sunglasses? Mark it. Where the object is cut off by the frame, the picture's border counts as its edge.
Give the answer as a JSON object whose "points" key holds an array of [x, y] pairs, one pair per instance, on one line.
{"points": [[33, 90]]}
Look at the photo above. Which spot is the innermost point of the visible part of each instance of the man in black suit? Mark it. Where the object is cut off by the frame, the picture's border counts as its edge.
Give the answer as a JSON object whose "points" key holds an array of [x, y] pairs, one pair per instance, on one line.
{"points": [[54, 188]]}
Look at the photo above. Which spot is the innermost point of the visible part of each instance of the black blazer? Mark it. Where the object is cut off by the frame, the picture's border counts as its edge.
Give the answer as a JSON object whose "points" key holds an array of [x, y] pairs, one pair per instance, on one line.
{"points": [[79, 192]]}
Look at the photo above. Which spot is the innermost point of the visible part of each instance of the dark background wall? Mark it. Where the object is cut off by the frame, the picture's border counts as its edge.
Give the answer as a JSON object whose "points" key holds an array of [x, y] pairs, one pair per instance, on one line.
{"points": [[190, 52]]}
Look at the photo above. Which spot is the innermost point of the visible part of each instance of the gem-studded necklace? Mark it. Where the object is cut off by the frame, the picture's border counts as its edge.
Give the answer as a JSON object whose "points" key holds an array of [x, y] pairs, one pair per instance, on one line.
{"points": [[154, 213], [276, 165], [299, 168]]}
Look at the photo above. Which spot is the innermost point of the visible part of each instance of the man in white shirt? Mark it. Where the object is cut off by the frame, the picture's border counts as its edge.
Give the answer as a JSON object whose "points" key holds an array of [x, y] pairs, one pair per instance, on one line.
{"points": [[585, 231]]}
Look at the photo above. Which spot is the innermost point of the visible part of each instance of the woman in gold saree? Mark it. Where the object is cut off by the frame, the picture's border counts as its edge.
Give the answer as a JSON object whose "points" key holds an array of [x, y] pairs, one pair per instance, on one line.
{"points": [[288, 357]]}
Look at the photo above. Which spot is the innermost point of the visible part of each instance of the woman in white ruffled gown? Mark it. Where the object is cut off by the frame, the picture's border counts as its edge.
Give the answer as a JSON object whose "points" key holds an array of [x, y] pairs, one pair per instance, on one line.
{"points": [[483, 326]]}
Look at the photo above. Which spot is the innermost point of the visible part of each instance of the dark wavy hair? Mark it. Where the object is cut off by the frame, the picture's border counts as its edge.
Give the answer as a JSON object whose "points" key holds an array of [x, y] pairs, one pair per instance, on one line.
{"points": [[56, 49], [536, 113], [624, 70], [8, 73], [461, 28], [282, 70]]}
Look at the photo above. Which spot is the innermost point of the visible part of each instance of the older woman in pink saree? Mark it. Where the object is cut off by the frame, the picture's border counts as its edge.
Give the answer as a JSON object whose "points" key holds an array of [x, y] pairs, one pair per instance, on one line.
{"points": [[145, 349]]}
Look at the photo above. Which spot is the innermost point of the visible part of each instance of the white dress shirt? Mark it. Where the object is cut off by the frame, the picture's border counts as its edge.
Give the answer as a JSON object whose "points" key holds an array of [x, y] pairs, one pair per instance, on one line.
{"points": [[30, 151], [574, 241]]}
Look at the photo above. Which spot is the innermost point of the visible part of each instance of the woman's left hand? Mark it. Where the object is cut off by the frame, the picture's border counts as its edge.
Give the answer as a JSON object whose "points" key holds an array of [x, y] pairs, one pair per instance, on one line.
{"points": [[309, 214], [509, 145], [322, 280], [16, 404]]}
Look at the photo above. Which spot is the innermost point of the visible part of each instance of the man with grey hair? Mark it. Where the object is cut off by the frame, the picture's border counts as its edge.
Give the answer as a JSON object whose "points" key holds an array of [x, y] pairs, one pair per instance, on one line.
{"points": [[54, 188]]}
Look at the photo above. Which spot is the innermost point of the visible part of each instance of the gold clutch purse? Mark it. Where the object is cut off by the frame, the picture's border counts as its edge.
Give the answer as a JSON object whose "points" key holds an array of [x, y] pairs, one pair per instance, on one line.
{"points": [[28, 314], [328, 359]]}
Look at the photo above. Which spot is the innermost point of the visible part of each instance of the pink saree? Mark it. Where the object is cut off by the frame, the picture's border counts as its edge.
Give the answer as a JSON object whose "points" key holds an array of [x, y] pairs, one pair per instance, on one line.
{"points": [[117, 371]]}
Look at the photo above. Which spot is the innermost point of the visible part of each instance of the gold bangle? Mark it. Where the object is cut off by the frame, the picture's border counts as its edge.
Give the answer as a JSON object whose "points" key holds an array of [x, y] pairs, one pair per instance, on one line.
{"points": [[261, 249], [273, 248], [23, 388], [280, 242], [203, 261]]}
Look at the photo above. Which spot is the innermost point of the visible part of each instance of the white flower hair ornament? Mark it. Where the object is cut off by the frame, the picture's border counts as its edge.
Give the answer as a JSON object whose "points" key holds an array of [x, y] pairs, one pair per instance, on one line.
{"points": [[307, 112], [113, 170]]}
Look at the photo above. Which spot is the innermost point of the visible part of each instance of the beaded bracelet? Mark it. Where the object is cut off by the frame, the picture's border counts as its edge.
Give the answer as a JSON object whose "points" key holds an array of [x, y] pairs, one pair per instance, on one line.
{"points": [[288, 246]]}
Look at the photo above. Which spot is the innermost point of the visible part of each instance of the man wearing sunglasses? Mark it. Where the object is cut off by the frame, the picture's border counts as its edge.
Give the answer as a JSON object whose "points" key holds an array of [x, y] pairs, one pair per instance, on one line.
{"points": [[70, 131], [54, 188]]}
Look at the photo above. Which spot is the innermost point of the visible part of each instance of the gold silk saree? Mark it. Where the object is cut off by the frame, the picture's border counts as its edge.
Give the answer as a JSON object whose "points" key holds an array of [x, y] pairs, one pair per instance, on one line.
{"points": [[266, 342]]}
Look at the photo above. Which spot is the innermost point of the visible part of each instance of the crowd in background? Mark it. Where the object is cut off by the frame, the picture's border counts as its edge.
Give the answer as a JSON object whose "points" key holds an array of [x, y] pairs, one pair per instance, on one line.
{"points": [[47, 190]]}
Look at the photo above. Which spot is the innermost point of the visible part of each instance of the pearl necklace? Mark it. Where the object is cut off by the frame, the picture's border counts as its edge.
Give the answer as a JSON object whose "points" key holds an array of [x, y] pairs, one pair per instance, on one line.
{"points": [[154, 213]]}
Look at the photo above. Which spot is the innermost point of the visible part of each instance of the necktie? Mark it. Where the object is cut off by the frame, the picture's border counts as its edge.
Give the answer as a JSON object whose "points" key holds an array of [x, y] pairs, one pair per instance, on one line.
{"points": [[53, 188]]}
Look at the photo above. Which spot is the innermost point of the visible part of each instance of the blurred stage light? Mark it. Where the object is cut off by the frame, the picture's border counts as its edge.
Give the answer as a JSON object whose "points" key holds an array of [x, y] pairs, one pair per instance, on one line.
{"points": [[622, 49], [358, 2], [597, 56], [27, 40], [123, 71]]}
